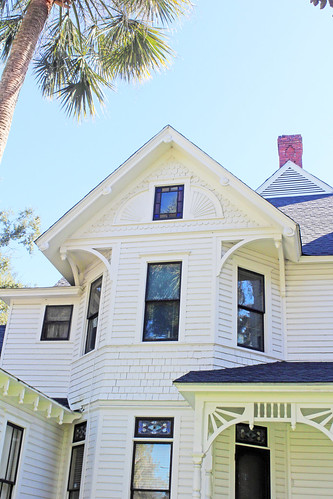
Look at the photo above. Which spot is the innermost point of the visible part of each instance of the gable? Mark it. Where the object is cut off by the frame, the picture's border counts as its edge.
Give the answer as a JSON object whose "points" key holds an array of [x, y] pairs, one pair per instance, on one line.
{"points": [[292, 180], [204, 204], [215, 199]]}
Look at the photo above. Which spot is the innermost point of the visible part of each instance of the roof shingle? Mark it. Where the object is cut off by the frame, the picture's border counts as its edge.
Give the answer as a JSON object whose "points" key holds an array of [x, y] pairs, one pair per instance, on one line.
{"points": [[275, 372]]}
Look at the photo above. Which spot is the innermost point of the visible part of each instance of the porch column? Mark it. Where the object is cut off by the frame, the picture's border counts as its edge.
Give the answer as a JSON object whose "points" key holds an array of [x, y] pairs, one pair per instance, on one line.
{"points": [[208, 466], [197, 461]]}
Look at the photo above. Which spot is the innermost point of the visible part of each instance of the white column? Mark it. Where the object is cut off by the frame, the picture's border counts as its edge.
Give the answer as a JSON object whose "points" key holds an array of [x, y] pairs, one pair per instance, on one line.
{"points": [[197, 461], [208, 467]]}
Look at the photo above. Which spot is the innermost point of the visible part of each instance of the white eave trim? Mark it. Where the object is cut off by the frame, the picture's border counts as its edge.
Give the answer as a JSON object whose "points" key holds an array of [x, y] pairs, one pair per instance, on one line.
{"points": [[255, 387], [30, 293], [20, 394], [316, 259]]}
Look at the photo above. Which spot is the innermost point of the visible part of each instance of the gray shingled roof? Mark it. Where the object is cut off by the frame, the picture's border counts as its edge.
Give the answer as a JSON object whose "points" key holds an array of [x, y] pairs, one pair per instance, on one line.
{"points": [[314, 214], [275, 372]]}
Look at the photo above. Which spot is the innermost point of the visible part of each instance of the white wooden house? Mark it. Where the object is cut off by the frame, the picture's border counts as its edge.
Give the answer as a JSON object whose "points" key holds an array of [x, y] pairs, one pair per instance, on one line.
{"points": [[191, 356]]}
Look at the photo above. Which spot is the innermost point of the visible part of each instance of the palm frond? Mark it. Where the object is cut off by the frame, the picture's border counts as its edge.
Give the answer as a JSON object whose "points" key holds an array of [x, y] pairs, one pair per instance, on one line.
{"points": [[8, 28], [132, 49], [10, 8], [322, 3], [78, 96], [163, 11], [95, 42], [52, 66]]}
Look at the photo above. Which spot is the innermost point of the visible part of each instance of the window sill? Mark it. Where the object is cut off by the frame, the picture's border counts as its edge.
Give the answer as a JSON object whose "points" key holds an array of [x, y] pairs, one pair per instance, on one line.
{"points": [[252, 350], [61, 342]]}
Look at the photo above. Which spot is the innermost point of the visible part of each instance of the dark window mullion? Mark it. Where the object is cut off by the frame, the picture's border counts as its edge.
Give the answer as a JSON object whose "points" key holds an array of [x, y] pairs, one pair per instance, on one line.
{"points": [[249, 309]]}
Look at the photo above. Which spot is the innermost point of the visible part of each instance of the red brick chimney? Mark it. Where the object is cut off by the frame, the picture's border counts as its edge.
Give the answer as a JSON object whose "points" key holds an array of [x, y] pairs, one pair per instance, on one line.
{"points": [[290, 147]]}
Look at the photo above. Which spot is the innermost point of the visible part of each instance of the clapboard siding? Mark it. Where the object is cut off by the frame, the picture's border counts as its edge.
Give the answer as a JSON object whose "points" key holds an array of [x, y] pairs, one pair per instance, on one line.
{"points": [[183, 462], [43, 459], [90, 456], [223, 458], [309, 311], [227, 304], [131, 282], [43, 364], [279, 461], [113, 457], [311, 464], [109, 451]]}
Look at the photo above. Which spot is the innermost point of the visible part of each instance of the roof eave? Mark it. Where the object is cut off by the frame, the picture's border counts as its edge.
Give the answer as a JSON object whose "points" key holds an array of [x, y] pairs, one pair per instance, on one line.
{"points": [[20, 394], [9, 294]]}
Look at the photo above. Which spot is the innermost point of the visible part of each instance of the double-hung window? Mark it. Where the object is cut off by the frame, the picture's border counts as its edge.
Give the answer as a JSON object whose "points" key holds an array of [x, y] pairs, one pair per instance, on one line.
{"points": [[75, 471], [10, 459], [152, 455], [168, 202], [57, 322], [251, 310], [92, 314], [161, 322]]}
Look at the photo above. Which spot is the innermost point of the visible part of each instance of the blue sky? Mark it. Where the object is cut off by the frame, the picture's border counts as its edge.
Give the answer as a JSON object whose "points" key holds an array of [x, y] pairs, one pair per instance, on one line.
{"points": [[245, 72]]}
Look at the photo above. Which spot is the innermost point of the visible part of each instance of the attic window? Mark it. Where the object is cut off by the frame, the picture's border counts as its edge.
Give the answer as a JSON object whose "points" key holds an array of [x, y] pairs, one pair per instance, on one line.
{"points": [[168, 202]]}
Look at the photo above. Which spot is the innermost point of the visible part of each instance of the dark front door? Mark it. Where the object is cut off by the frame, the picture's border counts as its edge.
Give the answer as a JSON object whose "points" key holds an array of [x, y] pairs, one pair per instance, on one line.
{"points": [[252, 473]]}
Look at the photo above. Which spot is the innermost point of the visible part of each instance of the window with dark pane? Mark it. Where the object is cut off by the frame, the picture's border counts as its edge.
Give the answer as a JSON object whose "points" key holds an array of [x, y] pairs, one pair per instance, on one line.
{"points": [[161, 320], [151, 473], [251, 309], [57, 322], [10, 459], [168, 202], [92, 314], [75, 470]]}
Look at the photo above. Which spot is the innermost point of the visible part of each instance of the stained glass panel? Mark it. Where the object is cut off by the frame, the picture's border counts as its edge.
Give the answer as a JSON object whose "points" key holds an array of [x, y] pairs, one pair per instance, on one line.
{"points": [[256, 436], [154, 428], [168, 202], [79, 432]]}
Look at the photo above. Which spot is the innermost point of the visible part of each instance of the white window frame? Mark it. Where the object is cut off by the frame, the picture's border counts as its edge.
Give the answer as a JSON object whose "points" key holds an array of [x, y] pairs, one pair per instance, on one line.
{"points": [[169, 257], [85, 326], [266, 271], [156, 440]]}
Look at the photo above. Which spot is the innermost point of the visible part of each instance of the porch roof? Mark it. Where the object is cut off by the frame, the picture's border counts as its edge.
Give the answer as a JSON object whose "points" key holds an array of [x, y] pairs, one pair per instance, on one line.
{"points": [[274, 372]]}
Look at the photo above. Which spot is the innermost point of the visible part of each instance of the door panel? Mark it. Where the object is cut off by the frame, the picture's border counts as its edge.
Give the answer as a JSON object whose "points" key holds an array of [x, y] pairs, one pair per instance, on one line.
{"points": [[252, 473]]}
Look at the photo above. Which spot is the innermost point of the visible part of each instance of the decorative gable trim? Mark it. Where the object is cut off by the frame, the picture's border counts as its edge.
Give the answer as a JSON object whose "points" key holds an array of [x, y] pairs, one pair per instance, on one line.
{"points": [[292, 180]]}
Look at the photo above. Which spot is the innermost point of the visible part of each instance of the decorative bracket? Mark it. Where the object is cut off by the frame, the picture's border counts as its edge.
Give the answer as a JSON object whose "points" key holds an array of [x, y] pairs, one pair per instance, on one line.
{"points": [[238, 245], [64, 252], [219, 417]]}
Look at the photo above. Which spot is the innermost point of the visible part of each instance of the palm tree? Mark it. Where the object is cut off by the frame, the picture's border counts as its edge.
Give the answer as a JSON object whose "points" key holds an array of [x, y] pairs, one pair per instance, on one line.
{"points": [[81, 47]]}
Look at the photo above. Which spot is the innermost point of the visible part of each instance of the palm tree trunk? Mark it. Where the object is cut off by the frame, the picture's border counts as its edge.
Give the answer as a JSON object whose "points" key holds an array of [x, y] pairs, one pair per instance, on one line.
{"points": [[21, 53]]}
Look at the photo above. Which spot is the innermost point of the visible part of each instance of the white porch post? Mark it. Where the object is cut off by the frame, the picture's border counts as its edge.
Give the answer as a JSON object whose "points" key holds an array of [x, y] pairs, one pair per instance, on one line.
{"points": [[208, 466], [197, 461], [198, 453]]}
